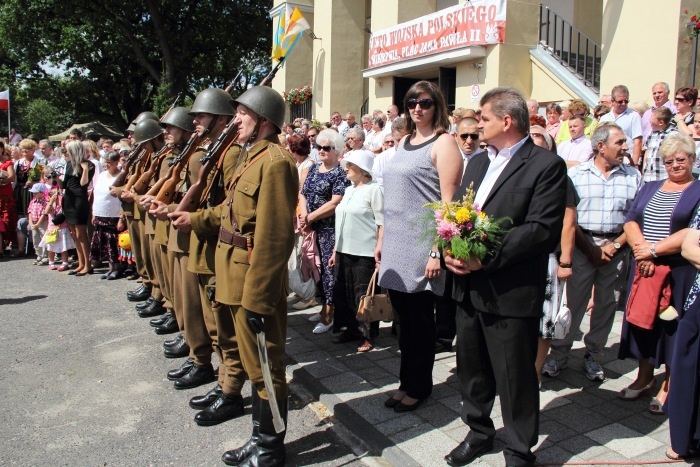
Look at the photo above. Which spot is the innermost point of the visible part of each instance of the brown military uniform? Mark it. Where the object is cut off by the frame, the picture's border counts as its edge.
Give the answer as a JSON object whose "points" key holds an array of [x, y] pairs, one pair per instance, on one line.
{"points": [[263, 201], [186, 296], [160, 240], [146, 229], [220, 325]]}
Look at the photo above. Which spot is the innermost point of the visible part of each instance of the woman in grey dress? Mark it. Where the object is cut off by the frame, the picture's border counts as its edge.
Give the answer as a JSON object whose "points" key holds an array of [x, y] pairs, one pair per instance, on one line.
{"points": [[427, 167]]}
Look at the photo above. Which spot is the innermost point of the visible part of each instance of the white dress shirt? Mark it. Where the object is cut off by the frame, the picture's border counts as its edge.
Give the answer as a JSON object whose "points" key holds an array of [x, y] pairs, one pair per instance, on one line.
{"points": [[498, 163]]}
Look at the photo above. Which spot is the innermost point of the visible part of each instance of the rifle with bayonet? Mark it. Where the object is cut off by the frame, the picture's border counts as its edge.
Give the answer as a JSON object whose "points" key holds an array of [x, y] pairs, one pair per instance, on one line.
{"points": [[166, 190], [141, 186]]}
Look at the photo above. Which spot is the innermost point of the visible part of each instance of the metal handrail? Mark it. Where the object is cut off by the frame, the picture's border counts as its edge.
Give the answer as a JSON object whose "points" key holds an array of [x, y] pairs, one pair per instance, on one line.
{"points": [[570, 47]]}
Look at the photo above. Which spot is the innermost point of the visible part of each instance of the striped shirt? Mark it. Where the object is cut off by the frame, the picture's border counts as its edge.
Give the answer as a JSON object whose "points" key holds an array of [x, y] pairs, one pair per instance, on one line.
{"points": [[604, 202], [657, 215]]}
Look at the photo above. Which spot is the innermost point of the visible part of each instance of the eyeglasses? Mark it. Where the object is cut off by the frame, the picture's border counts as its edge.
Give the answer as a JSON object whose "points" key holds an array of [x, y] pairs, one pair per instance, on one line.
{"points": [[680, 160], [536, 135], [425, 104], [623, 101], [473, 136], [325, 148], [311, 135], [680, 99], [390, 142]]}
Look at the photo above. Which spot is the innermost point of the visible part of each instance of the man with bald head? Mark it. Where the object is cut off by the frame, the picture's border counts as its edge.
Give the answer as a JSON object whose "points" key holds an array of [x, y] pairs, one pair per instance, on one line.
{"points": [[659, 92], [467, 137]]}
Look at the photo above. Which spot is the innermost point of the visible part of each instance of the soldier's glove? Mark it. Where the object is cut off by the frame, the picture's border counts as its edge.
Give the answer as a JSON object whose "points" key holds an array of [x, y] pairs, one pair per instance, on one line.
{"points": [[255, 321]]}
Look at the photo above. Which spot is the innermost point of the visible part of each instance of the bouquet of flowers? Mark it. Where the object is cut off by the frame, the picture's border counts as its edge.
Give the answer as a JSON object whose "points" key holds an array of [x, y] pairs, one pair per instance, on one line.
{"points": [[463, 230], [35, 173], [694, 26]]}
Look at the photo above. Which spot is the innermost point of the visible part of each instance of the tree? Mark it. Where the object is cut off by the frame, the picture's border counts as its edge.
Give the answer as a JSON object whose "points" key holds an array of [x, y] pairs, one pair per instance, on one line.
{"points": [[120, 58]]}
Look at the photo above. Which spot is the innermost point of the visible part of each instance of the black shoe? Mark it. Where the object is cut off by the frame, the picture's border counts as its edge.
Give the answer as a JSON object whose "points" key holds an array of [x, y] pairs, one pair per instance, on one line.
{"points": [[139, 295], [159, 320], [169, 343], [197, 376], [146, 304], [465, 452], [222, 409], [401, 407], [178, 373], [179, 350], [169, 327], [391, 402], [202, 402], [156, 309], [443, 345]]}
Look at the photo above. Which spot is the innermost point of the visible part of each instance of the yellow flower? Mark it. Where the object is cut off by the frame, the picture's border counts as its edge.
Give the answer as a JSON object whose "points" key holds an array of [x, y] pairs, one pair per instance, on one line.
{"points": [[462, 215]]}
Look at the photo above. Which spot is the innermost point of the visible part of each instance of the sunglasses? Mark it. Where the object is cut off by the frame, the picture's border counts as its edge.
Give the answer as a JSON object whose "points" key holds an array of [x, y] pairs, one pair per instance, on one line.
{"points": [[325, 148], [536, 135], [473, 136], [390, 142], [623, 101], [425, 104], [680, 99]]}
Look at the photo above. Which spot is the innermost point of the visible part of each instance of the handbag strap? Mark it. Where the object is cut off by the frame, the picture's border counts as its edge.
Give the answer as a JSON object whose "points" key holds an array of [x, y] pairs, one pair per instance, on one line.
{"points": [[563, 301], [372, 281]]}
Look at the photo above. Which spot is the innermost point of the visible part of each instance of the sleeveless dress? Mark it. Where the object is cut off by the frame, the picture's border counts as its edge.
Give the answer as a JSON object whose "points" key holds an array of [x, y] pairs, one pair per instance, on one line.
{"points": [[410, 181], [76, 205]]}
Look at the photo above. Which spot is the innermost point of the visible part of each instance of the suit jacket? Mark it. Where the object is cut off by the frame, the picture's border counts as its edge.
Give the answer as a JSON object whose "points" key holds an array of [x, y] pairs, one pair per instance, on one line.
{"points": [[531, 191]]}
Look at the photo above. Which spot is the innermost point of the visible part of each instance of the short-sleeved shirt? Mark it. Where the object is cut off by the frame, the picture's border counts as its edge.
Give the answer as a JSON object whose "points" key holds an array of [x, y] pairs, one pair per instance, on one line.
{"points": [[320, 187], [356, 219], [629, 121]]}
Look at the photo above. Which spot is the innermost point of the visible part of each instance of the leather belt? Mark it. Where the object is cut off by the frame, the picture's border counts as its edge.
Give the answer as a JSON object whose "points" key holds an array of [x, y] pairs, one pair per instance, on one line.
{"points": [[235, 239], [601, 234]]}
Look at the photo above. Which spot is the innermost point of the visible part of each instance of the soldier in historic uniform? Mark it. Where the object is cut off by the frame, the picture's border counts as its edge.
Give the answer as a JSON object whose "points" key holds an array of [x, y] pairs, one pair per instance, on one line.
{"points": [[178, 128], [256, 236]]}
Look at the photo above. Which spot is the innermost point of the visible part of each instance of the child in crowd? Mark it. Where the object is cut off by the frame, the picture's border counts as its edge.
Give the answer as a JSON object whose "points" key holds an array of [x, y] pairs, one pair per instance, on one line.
{"points": [[57, 238], [37, 220]]}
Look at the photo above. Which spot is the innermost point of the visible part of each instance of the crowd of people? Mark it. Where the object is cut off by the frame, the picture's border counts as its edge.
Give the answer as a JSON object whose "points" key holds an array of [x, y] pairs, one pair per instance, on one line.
{"points": [[601, 209]]}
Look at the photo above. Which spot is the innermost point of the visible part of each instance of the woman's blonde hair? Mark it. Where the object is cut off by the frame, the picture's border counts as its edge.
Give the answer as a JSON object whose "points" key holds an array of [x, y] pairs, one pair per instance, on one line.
{"points": [[27, 143], [677, 143], [76, 155], [91, 148]]}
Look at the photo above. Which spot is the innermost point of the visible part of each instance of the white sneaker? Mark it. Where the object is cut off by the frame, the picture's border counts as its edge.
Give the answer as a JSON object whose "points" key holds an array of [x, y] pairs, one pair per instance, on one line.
{"points": [[303, 305], [293, 298], [321, 328], [315, 317]]}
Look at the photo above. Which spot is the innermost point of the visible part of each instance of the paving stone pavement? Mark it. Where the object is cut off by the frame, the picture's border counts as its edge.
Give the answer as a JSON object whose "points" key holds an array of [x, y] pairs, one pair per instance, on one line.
{"points": [[581, 421]]}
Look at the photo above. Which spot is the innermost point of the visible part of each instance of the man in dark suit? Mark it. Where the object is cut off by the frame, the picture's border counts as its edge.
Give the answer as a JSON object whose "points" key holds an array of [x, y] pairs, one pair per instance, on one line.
{"points": [[500, 298]]}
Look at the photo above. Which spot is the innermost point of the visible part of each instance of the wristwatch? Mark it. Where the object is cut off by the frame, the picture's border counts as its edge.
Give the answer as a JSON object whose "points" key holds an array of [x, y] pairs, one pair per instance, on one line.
{"points": [[617, 245], [434, 254]]}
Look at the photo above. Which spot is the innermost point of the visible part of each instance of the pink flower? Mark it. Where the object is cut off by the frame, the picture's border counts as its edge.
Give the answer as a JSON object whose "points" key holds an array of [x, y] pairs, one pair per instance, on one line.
{"points": [[438, 214], [447, 230], [469, 226]]}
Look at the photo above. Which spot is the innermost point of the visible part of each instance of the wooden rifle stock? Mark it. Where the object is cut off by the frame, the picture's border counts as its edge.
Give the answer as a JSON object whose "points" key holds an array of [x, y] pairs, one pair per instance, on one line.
{"points": [[141, 186], [123, 176], [166, 192], [192, 199], [139, 164]]}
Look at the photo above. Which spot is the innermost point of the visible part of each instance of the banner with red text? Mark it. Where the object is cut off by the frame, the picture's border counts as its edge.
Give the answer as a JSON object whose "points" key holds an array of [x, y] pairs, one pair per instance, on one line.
{"points": [[478, 22]]}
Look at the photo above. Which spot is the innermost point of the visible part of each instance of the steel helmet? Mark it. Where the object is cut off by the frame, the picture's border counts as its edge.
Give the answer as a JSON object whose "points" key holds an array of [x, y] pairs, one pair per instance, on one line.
{"points": [[212, 101], [147, 130], [179, 117], [140, 117], [265, 102]]}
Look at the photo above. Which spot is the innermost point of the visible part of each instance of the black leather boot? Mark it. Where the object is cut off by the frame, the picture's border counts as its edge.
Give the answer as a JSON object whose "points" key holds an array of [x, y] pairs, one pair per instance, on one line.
{"points": [[156, 308], [146, 304], [202, 402], [236, 456], [222, 409], [139, 295], [197, 376], [169, 327], [178, 373], [269, 450], [179, 350]]}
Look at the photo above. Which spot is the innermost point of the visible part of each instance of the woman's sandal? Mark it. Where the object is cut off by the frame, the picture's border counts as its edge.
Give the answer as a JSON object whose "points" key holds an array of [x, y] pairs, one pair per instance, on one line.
{"points": [[366, 346], [656, 407], [674, 456], [629, 394]]}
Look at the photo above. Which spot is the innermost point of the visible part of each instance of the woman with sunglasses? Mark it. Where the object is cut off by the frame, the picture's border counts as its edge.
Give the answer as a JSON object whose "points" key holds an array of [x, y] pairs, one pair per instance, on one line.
{"points": [[427, 168], [323, 187], [685, 101]]}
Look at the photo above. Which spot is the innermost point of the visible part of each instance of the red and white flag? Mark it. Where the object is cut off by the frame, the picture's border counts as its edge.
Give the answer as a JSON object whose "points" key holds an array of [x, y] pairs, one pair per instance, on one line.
{"points": [[5, 99]]}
